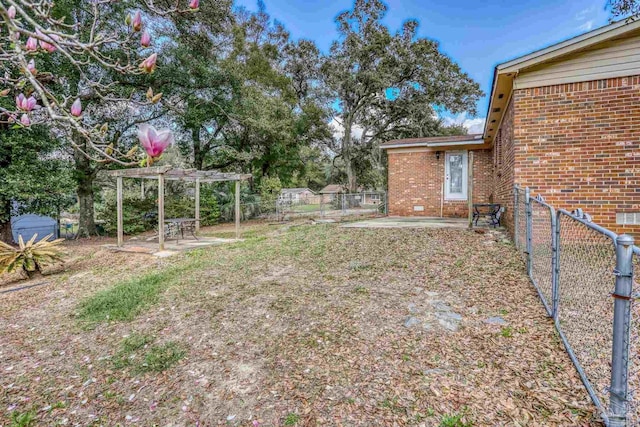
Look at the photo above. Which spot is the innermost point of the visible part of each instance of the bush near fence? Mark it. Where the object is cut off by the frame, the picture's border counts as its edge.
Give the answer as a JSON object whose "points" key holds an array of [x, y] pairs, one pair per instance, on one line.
{"points": [[584, 276]]}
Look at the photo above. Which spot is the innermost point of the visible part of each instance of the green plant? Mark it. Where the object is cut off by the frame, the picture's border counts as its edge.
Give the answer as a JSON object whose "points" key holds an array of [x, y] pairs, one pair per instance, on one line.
{"points": [[269, 192], [161, 358], [140, 215], [30, 257], [455, 420], [22, 419], [292, 419], [506, 331]]}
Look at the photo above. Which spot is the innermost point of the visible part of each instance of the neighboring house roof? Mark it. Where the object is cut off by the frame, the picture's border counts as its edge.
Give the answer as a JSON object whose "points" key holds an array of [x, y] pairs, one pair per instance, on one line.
{"points": [[333, 188], [506, 73], [436, 141], [296, 190]]}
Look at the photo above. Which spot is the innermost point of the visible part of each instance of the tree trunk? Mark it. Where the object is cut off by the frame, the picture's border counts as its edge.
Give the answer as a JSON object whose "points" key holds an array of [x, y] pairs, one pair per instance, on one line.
{"points": [[5, 226], [352, 180], [85, 176], [198, 152]]}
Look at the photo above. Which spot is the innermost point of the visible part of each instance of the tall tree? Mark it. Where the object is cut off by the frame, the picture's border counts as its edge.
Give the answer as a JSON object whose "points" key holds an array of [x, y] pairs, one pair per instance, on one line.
{"points": [[380, 78], [34, 177], [624, 8]]}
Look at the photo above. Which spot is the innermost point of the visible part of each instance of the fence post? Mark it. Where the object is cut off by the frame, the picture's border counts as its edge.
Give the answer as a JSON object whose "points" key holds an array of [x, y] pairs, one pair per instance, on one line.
{"points": [[515, 216], [621, 326], [555, 263], [385, 196], [529, 228]]}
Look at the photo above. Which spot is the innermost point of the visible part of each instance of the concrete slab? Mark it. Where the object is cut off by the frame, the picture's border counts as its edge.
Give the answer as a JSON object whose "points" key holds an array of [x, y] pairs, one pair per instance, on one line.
{"points": [[410, 222], [171, 247]]}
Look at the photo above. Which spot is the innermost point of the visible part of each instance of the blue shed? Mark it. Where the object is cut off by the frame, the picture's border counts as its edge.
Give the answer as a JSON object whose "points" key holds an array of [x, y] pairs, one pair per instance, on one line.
{"points": [[29, 224]]}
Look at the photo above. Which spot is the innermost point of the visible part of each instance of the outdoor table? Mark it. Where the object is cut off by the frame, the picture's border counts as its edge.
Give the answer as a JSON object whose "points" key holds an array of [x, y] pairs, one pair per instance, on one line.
{"points": [[180, 225], [492, 210]]}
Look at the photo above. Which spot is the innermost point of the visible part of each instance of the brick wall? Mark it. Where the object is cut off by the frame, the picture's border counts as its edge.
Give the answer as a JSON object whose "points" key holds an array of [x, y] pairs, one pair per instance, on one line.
{"points": [[416, 178], [503, 165], [579, 146]]}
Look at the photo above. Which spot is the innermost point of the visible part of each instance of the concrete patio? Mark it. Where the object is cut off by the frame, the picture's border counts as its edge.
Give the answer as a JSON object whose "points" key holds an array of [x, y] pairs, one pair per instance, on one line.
{"points": [[171, 247], [410, 222]]}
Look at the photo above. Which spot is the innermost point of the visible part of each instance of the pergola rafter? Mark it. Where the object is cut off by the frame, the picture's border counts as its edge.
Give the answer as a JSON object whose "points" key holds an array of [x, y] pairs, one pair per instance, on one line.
{"points": [[162, 173]]}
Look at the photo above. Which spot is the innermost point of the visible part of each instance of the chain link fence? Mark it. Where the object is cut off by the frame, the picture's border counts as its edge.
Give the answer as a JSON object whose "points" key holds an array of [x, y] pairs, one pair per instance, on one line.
{"points": [[330, 206], [541, 247], [634, 352], [520, 219], [584, 276]]}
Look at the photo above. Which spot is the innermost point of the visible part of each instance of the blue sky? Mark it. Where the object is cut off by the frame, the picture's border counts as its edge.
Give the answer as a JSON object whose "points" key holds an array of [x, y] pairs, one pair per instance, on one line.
{"points": [[477, 35]]}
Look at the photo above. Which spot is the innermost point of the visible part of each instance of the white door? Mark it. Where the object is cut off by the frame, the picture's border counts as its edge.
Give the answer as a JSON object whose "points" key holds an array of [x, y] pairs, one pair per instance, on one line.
{"points": [[455, 175]]}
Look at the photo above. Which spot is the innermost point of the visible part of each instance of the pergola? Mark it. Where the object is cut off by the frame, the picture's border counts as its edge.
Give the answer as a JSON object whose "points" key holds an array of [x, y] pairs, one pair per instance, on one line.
{"points": [[163, 173]]}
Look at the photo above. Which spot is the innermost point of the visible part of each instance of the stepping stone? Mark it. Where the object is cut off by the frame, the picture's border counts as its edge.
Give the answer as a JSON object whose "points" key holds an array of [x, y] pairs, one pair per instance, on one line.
{"points": [[496, 321]]}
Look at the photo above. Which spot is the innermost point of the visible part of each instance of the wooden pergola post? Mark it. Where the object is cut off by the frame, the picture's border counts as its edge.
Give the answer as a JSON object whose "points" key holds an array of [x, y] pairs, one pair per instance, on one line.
{"points": [[161, 211], [237, 209], [197, 205], [162, 173], [119, 209]]}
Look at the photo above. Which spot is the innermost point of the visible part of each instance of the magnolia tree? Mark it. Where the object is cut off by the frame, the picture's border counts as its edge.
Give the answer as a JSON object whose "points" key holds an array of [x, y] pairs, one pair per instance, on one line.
{"points": [[33, 38]]}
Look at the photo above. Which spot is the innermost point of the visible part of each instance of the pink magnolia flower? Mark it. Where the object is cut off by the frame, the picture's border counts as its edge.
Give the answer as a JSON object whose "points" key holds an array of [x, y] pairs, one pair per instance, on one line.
{"points": [[45, 41], [25, 104], [137, 22], [145, 40], [11, 12], [24, 120], [149, 64], [154, 142], [31, 66], [32, 44], [194, 4], [76, 108]]}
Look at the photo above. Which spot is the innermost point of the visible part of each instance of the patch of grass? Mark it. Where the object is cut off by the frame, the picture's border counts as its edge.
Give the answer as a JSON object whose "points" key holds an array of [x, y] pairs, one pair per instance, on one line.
{"points": [[283, 305], [506, 331], [126, 299], [130, 345], [455, 420], [22, 419], [361, 290], [291, 419], [160, 358]]}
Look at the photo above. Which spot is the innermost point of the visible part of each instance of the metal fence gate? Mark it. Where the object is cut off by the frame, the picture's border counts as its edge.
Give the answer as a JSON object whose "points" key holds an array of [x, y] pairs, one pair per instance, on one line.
{"points": [[584, 276]]}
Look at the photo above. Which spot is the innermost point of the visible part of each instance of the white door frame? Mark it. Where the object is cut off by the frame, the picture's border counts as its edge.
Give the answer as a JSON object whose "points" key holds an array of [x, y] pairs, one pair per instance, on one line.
{"points": [[465, 176]]}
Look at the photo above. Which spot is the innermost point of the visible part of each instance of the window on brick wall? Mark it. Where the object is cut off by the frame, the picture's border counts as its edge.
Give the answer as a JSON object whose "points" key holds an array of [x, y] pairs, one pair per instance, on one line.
{"points": [[628, 218]]}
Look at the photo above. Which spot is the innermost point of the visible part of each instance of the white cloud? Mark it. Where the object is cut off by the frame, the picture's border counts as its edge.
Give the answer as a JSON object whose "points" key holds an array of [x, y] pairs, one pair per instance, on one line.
{"points": [[473, 125], [338, 130], [587, 26], [584, 13]]}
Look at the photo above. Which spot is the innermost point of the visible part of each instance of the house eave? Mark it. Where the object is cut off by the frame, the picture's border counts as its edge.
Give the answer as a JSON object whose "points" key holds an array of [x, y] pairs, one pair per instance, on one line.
{"points": [[434, 144], [505, 73]]}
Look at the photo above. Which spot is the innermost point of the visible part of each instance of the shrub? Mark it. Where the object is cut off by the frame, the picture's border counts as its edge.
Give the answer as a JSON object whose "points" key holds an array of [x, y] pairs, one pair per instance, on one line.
{"points": [[270, 189], [141, 215], [31, 256]]}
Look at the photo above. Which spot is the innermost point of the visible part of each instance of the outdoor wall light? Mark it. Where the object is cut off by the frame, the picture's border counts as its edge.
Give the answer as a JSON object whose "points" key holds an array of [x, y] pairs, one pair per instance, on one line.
{"points": [[437, 155]]}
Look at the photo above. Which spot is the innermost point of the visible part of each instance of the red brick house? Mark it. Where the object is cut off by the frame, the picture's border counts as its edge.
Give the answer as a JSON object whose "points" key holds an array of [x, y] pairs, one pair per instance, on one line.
{"points": [[564, 121]]}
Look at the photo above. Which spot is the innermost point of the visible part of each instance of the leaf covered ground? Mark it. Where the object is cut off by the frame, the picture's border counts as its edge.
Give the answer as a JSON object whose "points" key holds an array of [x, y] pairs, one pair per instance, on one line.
{"points": [[305, 325]]}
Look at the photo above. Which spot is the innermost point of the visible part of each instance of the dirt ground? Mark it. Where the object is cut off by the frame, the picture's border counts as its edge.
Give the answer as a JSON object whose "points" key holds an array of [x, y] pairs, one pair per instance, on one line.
{"points": [[309, 325]]}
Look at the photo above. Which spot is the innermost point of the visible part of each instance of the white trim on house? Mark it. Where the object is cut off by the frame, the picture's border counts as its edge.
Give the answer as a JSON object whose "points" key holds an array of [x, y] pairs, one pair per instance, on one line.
{"points": [[478, 141]]}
